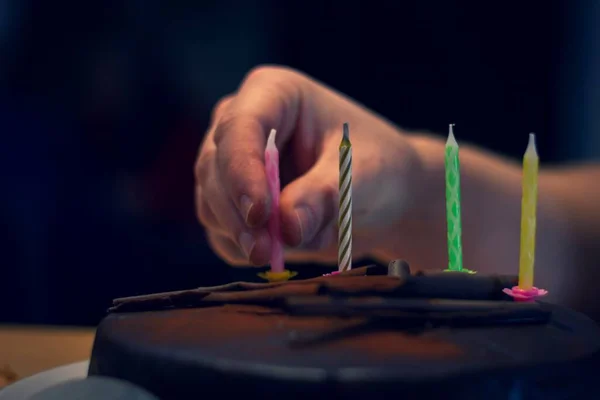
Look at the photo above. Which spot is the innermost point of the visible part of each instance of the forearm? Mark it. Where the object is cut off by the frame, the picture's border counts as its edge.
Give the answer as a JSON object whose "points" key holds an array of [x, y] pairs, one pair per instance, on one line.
{"points": [[491, 215], [576, 190]]}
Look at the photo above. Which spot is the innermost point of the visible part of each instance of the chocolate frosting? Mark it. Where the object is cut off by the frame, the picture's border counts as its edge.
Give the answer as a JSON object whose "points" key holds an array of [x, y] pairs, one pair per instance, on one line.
{"points": [[368, 332], [356, 335], [263, 351]]}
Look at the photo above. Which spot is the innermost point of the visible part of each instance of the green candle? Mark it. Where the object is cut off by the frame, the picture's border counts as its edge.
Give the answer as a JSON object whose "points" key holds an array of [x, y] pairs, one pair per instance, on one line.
{"points": [[455, 257]]}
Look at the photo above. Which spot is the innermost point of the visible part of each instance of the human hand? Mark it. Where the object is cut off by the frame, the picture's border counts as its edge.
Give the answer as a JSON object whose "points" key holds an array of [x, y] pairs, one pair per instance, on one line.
{"points": [[232, 197]]}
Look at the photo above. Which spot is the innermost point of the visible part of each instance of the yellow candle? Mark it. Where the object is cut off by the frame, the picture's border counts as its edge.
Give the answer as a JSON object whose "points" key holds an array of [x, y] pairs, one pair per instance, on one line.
{"points": [[528, 214]]}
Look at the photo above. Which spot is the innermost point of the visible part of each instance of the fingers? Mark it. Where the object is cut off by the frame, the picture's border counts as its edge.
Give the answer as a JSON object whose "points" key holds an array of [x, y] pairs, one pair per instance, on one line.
{"points": [[219, 108], [322, 249], [324, 240], [308, 205], [269, 98], [204, 213], [232, 194], [217, 212], [229, 250]]}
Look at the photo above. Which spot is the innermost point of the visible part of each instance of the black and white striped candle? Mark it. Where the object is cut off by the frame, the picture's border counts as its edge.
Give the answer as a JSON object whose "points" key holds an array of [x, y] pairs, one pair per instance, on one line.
{"points": [[345, 210]]}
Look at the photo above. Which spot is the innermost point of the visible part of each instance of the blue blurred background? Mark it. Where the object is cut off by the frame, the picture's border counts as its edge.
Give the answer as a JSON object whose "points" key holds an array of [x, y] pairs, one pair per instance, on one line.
{"points": [[103, 105]]}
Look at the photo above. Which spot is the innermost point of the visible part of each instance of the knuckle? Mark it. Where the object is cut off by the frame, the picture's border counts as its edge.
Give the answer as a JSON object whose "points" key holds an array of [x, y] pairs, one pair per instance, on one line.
{"points": [[274, 78], [220, 107], [202, 213], [268, 72], [231, 123], [202, 166], [279, 85], [236, 167]]}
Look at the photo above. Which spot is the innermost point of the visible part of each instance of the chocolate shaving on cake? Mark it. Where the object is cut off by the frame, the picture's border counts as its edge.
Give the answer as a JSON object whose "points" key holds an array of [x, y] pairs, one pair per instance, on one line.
{"points": [[358, 282], [235, 291]]}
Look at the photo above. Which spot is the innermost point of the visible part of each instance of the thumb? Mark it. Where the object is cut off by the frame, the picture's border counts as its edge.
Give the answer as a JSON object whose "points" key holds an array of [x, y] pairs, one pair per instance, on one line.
{"points": [[309, 203]]}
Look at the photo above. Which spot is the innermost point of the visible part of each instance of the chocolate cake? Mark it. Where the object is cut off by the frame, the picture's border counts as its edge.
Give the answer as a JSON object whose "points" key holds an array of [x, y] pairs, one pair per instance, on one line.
{"points": [[369, 332]]}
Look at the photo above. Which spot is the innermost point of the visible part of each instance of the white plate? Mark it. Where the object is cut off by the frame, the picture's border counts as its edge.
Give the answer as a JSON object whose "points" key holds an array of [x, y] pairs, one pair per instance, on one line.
{"points": [[27, 387]]}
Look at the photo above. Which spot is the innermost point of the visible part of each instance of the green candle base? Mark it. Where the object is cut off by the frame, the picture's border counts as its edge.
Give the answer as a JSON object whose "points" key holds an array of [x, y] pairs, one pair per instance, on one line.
{"points": [[464, 270]]}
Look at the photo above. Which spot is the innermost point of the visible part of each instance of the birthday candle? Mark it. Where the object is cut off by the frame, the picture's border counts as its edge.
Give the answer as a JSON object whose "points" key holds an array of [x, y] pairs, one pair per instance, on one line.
{"points": [[345, 211], [453, 203], [272, 170], [528, 214]]}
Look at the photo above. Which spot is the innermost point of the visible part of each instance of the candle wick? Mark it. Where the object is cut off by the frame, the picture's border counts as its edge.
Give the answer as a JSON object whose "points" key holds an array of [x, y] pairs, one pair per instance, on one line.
{"points": [[451, 139], [271, 140], [531, 147], [346, 131]]}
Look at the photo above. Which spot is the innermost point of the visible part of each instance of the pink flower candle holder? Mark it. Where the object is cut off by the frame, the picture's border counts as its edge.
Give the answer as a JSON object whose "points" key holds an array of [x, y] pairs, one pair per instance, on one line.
{"points": [[525, 295]]}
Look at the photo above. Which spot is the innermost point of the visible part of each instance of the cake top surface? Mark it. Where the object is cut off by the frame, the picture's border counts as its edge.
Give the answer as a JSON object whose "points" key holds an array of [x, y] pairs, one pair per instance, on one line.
{"points": [[267, 340]]}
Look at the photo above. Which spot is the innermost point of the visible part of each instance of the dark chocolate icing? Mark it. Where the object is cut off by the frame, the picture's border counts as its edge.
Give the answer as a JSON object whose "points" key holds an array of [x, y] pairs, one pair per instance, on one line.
{"points": [[242, 340], [242, 348]]}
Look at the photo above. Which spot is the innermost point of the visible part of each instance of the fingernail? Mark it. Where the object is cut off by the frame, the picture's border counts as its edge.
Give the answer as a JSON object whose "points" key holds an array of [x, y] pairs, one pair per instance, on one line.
{"points": [[306, 221], [247, 205], [247, 243]]}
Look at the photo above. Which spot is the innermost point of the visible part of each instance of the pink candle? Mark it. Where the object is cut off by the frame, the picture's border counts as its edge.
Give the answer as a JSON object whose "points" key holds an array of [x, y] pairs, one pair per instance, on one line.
{"points": [[272, 171]]}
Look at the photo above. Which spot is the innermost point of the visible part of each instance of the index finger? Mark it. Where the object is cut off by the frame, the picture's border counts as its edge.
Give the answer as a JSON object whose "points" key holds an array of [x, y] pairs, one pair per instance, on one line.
{"points": [[268, 99]]}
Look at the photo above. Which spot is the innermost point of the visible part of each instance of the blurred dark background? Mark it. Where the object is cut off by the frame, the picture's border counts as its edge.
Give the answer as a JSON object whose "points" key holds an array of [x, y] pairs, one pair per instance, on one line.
{"points": [[103, 105]]}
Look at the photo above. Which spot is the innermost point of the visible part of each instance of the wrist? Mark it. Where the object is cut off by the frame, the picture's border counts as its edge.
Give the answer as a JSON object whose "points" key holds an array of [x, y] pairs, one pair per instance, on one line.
{"points": [[422, 226], [429, 175]]}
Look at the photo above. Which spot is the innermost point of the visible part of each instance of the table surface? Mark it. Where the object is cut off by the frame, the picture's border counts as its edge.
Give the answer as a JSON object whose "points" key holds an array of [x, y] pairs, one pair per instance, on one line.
{"points": [[28, 350]]}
